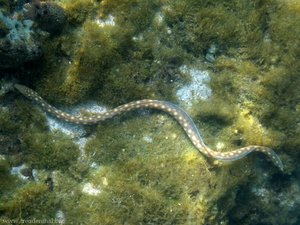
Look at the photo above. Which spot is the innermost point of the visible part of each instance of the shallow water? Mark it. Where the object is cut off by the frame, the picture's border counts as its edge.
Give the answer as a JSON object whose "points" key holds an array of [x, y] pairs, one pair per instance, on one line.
{"points": [[232, 66]]}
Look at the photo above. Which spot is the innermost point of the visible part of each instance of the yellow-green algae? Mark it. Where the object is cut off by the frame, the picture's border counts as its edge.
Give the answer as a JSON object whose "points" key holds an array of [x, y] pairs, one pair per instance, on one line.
{"points": [[40, 147], [33, 200], [91, 58], [146, 170], [6, 179], [142, 181]]}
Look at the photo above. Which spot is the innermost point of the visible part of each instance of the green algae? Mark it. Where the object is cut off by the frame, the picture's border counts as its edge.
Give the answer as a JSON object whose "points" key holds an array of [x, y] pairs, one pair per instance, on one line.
{"points": [[19, 117], [6, 179], [143, 179], [28, 125], [31, 199], [137, 15], [6, 122], [146, 169], [40, 149], [95, 57], [49, 150], [78, 11]]}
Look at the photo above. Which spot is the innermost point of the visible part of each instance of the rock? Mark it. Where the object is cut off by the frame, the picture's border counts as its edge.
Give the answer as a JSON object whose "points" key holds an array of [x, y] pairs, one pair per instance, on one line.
{"points": [[49, 16]]}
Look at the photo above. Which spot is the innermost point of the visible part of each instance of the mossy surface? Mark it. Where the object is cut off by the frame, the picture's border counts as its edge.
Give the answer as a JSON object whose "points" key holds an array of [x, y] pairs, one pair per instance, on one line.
{"points": [[24, 202], [40, 148], [49, 151], [79, 11], [6, 180], [142, 172], [95, 60], [140, 168]]}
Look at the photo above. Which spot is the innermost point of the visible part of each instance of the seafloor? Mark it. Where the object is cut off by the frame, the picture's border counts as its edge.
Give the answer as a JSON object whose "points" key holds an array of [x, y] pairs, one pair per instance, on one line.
{"points": [[234, 66]]}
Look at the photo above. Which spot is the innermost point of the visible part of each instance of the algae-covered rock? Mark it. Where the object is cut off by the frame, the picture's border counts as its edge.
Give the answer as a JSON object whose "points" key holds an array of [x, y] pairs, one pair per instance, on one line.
{"points": [[154, 177], [49, 16], [141, 168], [50, 151], [26, 201], [17, 44]]}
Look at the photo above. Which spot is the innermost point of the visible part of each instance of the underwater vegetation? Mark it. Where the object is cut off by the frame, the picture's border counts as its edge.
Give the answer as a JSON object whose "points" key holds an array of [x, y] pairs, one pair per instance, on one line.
{"points": [[22, 25], [140, 168]]}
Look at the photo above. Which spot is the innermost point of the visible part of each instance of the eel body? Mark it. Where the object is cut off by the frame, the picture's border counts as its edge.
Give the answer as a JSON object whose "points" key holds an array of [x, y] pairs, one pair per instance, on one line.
{"points": [[175, 111]]}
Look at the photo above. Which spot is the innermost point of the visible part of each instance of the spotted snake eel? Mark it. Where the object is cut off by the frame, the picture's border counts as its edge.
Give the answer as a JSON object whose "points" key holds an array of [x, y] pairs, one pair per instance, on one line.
{"points": [[175, 111]]}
